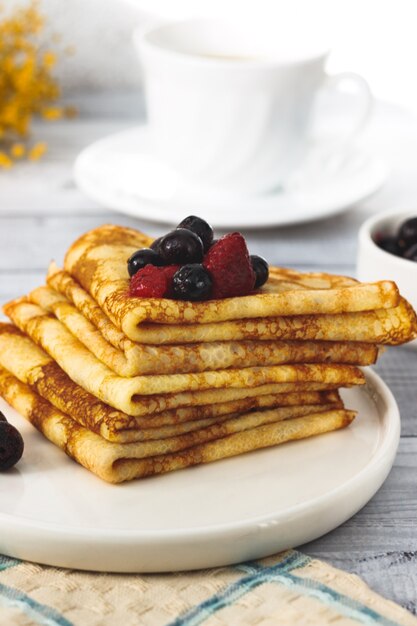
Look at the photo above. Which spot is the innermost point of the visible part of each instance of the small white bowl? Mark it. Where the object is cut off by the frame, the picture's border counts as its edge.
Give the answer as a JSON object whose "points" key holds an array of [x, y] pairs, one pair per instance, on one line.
{"points": [[374, 263]]}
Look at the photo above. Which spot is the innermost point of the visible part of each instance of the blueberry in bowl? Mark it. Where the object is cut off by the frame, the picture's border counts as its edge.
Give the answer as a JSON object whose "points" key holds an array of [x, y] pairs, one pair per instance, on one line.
{"points": [[402, 242], [407, 234], [387, 250]]}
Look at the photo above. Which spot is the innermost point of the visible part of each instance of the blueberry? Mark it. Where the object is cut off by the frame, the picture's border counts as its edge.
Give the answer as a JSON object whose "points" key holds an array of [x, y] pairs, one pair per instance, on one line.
{"points": [[411, 253], [11, 446], [407, 234], [141, 258], [200, 228], [389, 244], [192, 282], [261, 269], [181, 246], [2, 417], [155, 244]]}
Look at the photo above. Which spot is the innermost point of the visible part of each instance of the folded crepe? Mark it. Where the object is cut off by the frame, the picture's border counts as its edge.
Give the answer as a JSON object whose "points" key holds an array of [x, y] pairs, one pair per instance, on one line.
{"points": [[383, 326], [84, 368], [131, 387], [393, 326], [98, 261], [30, 364], [116, 462], [128, 358]]}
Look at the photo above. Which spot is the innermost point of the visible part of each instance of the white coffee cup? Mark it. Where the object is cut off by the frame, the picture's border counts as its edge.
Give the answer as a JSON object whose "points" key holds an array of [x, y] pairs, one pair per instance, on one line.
{"points": [[230, 109]]}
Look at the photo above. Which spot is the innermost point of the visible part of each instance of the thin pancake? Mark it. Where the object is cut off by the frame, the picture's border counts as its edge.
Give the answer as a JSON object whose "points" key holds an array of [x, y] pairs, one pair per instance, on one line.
{"points": [[383, 326], [30, 364], [127, 358], [98, 261], [393, 326], [120, 462], [86, 370]]}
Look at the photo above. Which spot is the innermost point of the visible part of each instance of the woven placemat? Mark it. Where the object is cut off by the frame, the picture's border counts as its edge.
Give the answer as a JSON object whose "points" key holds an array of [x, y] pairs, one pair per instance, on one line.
{"points": [[287, 589]]}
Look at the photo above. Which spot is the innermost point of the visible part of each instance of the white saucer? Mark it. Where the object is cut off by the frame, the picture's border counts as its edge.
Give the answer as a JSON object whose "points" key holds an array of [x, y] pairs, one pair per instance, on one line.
{"points": [[121, 173], [54, 511]]}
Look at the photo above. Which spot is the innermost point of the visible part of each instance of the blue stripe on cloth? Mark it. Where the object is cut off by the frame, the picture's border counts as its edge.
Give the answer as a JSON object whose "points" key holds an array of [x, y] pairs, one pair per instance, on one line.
{"points": [[6, 562], [280, 573], [233, 592], [39, 613], [291, 561], [338, 601]]}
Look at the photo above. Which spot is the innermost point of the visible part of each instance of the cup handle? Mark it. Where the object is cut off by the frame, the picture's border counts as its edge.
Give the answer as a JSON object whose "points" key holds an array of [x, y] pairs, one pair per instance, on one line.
{"points": [[336, 82]]}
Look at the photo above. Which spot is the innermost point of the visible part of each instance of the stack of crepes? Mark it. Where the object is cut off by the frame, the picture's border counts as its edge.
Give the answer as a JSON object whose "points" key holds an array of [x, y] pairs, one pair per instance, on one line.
{"points": [[132, 387]]}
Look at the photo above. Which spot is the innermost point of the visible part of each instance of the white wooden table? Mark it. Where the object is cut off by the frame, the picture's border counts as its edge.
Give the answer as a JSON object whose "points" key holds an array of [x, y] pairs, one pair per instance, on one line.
{"points": [[42, 212]]}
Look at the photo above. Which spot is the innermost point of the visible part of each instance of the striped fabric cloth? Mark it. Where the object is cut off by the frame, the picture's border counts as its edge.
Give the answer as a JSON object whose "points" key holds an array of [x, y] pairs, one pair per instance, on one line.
{"points": [[289, 589]]}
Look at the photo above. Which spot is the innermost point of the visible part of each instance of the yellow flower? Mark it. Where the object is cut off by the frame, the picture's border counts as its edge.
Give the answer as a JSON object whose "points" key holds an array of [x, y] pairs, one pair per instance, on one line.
{"points": [[5, 161], [52, 113], [27, 87], [18, 150], [37, 151], [49, 59]]}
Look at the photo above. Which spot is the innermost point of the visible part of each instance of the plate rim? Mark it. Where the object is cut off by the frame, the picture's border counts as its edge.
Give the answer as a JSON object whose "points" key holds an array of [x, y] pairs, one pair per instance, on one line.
{"points": [[148, 208], [386, 448]]}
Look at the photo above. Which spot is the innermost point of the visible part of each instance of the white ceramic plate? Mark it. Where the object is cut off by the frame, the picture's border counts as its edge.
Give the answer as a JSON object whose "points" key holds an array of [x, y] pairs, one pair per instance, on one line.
{"points": [[54, 511], [121, 173]]}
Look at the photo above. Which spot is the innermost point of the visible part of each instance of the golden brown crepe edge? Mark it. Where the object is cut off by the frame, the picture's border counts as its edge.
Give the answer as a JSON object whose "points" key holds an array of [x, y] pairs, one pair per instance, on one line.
{"points": [[102, 458]]}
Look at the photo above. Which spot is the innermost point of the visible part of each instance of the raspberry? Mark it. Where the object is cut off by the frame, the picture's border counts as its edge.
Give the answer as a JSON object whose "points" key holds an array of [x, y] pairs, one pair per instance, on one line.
{"points": [[153, 282], [169, 271], [230, 267]]}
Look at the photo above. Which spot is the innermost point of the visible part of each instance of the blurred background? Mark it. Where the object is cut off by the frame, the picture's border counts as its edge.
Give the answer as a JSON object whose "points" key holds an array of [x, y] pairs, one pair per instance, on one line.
{"points": [[375, 38]]}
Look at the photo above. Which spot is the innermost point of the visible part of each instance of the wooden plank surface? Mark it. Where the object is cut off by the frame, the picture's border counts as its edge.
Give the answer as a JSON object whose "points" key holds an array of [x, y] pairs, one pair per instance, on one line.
{"points": [[42, 212]]}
